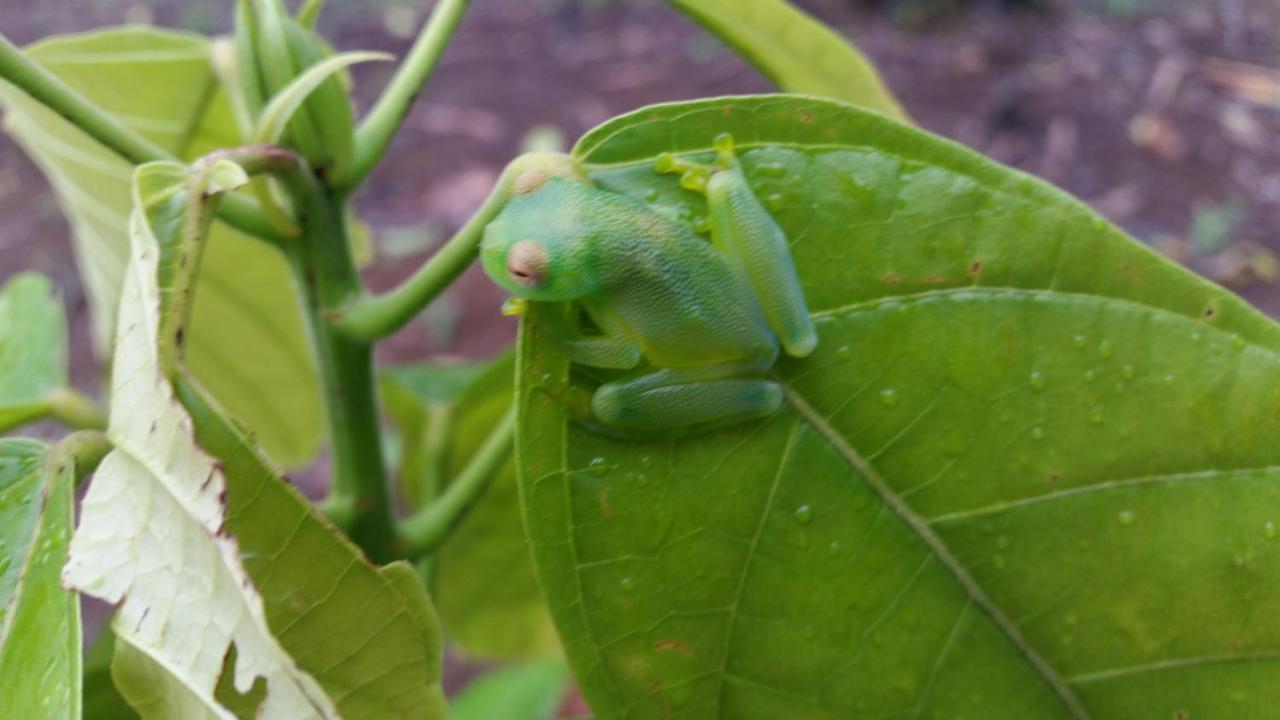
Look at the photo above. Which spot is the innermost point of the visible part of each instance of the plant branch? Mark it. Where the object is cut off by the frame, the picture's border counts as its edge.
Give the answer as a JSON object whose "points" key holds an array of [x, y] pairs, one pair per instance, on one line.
{"points": [[74, 409], [369, 318], [426, 529], [323, 268], [49, 90], [383, 121]]}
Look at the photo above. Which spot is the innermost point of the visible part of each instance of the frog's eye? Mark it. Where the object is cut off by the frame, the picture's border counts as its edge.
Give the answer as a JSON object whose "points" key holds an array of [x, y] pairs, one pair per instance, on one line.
{"points": [[527, 263]]}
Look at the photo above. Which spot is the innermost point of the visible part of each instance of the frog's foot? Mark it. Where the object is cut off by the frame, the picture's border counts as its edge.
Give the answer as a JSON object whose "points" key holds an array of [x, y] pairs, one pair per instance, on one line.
{"points": [[671, 400], [694, 175]]}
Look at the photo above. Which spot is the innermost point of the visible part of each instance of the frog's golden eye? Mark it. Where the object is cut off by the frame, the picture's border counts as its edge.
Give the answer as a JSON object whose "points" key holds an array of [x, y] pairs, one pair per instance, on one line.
{"points": [[527, 263]]}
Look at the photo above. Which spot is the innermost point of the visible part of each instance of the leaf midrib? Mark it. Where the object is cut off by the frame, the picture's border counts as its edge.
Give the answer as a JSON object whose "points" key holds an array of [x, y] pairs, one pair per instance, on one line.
{"points": [[918, 525]]}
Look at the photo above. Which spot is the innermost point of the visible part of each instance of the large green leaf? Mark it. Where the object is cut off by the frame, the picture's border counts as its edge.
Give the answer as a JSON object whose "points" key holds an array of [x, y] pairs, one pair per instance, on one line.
{"points": [[1030, 470], [33, 348], [262, 575], [247, 342], [798, 53], [486, 591], [39, 621]]}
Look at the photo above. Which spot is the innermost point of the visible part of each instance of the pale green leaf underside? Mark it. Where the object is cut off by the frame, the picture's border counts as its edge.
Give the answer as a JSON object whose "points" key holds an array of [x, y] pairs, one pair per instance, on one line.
{"points": [[247, 342], [150, 535], [33, 347], [798, 53], [1028, 472], [39, 621]]}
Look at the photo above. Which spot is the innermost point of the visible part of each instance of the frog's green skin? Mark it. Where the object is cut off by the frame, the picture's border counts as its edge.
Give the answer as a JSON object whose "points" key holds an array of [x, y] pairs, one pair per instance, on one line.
{"points": [[705, 316]]}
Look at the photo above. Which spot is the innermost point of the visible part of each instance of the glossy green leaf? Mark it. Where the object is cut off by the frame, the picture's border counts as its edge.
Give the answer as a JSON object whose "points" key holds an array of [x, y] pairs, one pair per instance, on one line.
{"points": [[33, 348], [1030, 470], [520, 692], [798, 53], [160, 84], [39, 621], [486, 591]]}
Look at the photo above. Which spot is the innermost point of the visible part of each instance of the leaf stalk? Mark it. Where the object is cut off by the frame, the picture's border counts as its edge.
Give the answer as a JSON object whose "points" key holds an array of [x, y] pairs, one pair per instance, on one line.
{"points": [[376, 131], [425, 530]]}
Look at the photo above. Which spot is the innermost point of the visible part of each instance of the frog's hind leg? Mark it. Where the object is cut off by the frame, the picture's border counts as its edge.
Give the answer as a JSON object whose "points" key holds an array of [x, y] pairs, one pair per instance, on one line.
{"points": [[669, 400]]}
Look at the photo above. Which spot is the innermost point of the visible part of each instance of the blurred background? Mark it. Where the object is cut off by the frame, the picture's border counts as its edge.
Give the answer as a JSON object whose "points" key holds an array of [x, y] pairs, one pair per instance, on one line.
{"points": [[1164, 115]]}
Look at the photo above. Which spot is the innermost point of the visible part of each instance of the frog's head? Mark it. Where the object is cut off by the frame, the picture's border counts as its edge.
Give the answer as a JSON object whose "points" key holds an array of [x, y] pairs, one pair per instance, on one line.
{"points": [[536, 247]]}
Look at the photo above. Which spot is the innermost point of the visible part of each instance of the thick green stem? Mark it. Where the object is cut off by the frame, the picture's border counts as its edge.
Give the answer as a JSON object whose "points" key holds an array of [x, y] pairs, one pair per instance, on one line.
{"points": [[74, 409], [324, 269], [371, 317], [380, 125], [47, 89], [426, 529]]}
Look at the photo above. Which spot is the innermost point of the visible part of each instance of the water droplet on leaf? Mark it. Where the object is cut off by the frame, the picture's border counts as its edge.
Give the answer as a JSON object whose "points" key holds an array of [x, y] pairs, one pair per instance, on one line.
{"points": [[888, 397], [804, 514]]}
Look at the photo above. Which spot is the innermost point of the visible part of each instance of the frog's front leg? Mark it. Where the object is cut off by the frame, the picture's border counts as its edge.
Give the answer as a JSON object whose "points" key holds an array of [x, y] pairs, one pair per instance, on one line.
{"points": [[745, 231], [613, 349], [671, 399]]}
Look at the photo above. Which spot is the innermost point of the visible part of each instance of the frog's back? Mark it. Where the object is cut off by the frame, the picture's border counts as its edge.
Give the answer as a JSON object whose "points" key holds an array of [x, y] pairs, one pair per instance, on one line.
{"points": [[686, 304]]}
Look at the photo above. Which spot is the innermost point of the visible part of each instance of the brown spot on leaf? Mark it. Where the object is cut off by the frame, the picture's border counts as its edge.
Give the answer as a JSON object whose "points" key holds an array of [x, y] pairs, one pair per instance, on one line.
{"points": [[975, 267], [934, 280], [673, 646], [605, 508], [891, 278]]}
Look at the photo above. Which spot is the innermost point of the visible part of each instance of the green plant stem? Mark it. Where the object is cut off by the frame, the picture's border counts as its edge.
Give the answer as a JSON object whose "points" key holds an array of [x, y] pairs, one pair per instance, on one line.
{"points": [[74, 409], [85, 449], [380, 125], [369, 318], [423, 532], [46, 88], [326, 272]]}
